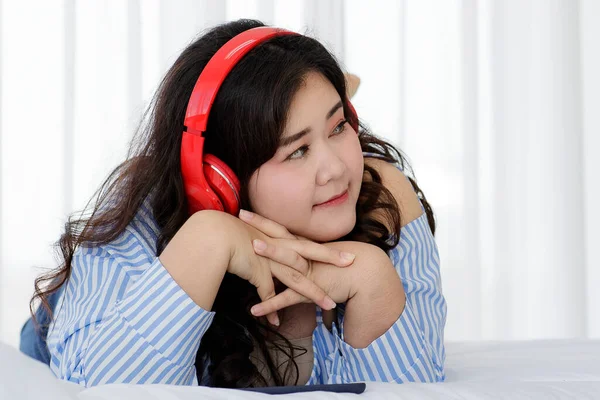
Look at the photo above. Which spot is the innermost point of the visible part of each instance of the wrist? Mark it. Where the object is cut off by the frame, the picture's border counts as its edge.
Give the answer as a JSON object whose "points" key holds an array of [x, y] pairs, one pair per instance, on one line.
{"points": [[371, 271], [217, 228], [346, 281], [234, 237]]}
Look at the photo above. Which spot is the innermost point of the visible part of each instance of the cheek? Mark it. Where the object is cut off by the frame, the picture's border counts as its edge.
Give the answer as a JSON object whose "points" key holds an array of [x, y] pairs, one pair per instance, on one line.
{"points": [[353, 157], [280, 196]]}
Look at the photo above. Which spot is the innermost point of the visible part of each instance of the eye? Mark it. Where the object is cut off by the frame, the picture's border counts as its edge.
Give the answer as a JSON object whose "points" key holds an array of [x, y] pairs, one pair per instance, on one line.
{"points": [[301, 152], [340, 128]]}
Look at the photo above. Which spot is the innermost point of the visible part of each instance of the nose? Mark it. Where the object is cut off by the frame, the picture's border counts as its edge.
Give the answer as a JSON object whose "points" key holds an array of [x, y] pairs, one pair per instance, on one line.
{"points": [[331, 167]]}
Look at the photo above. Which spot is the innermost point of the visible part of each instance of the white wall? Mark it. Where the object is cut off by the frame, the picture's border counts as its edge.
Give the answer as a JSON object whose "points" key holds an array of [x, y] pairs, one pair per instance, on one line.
{"points": [[491, 100]]}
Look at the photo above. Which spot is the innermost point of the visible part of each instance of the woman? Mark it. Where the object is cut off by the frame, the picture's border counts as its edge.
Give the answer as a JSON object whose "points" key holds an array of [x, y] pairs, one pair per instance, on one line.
{"points": [[328, 274]]}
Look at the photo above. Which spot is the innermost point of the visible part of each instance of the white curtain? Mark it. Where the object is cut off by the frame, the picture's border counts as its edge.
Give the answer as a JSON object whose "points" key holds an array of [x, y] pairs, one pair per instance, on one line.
{"points": [[496, 103]]}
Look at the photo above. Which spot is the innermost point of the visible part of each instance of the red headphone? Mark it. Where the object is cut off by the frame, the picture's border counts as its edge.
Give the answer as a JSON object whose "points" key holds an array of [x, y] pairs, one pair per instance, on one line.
{"points": [[209, 183]]}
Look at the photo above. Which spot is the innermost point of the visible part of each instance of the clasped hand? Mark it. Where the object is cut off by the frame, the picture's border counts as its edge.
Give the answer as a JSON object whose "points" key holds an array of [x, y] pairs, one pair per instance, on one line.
{"points": [[309, 270]]}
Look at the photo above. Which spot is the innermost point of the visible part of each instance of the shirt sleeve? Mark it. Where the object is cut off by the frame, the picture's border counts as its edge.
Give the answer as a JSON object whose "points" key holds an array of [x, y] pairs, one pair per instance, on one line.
{"points": [[109, 332], [412, 349]]}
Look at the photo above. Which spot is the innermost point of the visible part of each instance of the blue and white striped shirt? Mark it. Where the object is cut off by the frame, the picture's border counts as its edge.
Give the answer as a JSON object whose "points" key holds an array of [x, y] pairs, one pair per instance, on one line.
{"points": [[123, 319]]}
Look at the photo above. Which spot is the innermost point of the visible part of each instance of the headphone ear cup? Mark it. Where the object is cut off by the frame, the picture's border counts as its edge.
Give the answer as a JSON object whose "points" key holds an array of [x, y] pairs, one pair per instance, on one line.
{"points": [[202, 197], [199, 194], [223, 182], [353, 117]]}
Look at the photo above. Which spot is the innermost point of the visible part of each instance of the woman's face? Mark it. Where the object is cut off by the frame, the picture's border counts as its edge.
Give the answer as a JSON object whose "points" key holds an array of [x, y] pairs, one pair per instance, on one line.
{"points": [[319, 158]]}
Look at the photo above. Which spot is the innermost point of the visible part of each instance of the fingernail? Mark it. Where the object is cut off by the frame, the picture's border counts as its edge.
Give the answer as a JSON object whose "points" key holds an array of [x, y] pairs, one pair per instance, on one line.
{"points": [[276, 320], [255, 310], [259, 244], [348, 257], [246, 214], [329, 303]]}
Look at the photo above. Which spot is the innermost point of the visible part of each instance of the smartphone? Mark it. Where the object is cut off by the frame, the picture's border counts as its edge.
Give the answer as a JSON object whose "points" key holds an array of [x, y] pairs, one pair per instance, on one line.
{"points": [[356, 388]]}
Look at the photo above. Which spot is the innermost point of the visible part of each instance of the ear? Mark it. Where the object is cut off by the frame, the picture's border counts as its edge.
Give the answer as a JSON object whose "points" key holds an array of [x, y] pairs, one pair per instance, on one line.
{"points": [[352, 83]]}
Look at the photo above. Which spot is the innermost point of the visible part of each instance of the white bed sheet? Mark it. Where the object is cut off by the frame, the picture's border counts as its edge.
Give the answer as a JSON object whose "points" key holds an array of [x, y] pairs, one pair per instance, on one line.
{"points": [[541, 369]]}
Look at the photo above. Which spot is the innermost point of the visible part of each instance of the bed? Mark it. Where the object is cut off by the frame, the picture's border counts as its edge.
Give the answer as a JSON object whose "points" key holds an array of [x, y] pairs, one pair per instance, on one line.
{"points": [[540, 369]]}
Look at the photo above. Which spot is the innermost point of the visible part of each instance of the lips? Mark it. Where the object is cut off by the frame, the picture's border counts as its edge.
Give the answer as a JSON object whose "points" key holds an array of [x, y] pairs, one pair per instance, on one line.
{"points": [[334, 197]]}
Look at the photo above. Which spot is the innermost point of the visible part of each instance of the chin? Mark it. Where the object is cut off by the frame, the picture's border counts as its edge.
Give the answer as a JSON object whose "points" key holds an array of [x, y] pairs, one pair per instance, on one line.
{"points": [[332, 232]]}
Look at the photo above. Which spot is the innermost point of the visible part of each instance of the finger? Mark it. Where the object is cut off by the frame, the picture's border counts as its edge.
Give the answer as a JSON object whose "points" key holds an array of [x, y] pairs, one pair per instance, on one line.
{"points": [[273, 318], [284, 299], [265, 225], [266, 290], [298, 282], [316, 252], [281, 254]]}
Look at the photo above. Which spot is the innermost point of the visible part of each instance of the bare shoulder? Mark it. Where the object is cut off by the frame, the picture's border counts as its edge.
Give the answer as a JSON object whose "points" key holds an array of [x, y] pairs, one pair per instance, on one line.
{"points": [[400, 187]]}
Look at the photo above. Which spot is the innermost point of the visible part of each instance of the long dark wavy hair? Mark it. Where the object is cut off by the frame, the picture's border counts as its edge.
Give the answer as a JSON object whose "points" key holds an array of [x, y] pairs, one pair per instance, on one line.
{"points": [[244, 129]]}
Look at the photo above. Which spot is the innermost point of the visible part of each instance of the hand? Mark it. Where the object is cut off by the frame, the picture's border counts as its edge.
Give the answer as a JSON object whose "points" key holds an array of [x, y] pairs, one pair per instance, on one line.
{"points": [[352, 83], [259, 271], [302, 255], [305, 250]]}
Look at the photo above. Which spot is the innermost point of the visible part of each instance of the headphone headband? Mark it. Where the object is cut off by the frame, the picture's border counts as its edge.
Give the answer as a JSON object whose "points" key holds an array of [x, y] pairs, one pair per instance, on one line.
{"points": [[217, 69]]}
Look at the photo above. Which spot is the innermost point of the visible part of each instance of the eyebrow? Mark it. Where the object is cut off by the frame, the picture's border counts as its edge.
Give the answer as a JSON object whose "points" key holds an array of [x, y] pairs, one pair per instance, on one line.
{"points": [[286, 141]]}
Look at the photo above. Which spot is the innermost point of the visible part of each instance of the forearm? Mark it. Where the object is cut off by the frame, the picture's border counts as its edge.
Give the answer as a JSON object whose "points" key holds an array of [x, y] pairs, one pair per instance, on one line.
{"points": [[198, 256], [376, 299], [417, 324], [372, 311], [150, 327]]}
